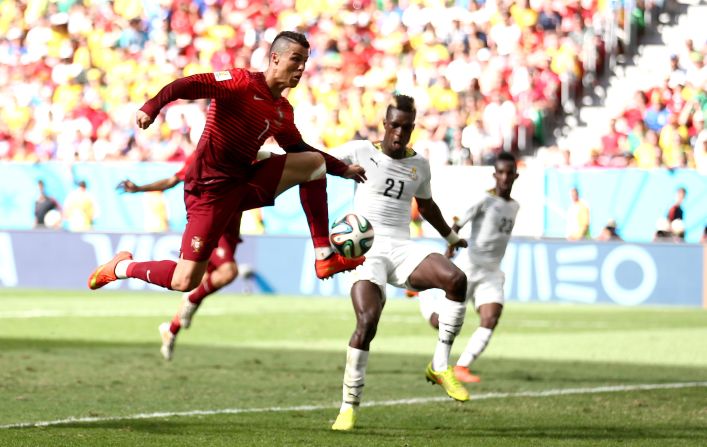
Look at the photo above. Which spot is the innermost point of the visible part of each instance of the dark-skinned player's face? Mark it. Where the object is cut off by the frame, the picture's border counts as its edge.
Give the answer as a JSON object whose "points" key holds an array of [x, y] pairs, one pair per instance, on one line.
{"points": [[505, 174], [398, 127], [291, 64]]}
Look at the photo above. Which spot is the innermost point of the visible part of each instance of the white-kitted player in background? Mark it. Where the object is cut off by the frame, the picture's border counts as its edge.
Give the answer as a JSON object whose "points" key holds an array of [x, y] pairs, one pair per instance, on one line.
{"points": [[492, 219], [396, 174]]}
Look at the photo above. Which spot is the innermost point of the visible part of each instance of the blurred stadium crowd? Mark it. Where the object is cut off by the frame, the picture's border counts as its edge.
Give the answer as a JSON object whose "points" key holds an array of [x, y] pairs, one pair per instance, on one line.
{"points": [[664, 125], [487, 75]]}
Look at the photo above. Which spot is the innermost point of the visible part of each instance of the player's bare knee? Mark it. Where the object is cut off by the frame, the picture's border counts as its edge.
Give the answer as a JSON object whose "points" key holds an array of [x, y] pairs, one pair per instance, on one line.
{"points": [[434, 320], [185, 283], [317, 166], [229, 271], [367, 324], [456, 285]]}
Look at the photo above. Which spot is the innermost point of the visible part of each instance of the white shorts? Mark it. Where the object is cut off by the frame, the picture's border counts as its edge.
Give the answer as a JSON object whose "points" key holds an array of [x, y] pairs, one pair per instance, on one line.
{"points": [[391, 261], [483, 286]]}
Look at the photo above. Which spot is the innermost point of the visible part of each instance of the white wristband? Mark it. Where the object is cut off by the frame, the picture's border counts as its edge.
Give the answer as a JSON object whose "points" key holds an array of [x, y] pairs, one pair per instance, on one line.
{"points": [[452, 238]]}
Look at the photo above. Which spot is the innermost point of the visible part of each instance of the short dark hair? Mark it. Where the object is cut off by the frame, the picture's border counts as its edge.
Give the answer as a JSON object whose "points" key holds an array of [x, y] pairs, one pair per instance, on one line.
{"points": [[283, 40], [506, 156], [403, 103]]}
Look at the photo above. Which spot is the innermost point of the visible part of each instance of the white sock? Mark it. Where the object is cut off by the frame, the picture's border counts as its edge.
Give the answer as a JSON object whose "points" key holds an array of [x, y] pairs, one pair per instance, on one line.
{"points": [[322, 252], [354, 375], [429, 301], [451, 318], [121, 268], [477, 343]]}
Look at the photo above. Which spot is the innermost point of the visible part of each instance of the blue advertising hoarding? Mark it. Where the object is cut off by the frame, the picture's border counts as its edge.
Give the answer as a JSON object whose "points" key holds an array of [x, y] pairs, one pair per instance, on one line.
{"points": [[536, 270]]}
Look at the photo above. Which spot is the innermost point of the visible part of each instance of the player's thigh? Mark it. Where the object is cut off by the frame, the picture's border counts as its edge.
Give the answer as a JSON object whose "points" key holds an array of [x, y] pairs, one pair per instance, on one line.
{"points": [[208, 215], [489, 287], [262, 184], [405, 257], [375, 271], [299, 168]]}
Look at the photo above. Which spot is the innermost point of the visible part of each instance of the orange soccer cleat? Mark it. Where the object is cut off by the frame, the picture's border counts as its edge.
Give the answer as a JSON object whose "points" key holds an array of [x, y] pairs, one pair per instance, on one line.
{"points": [[105, 273], [464, 375], [326, 268]]}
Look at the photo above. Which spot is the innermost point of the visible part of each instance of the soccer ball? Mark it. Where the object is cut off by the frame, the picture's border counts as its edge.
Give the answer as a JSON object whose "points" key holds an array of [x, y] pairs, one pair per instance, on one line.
{"points": [[352, 236]]}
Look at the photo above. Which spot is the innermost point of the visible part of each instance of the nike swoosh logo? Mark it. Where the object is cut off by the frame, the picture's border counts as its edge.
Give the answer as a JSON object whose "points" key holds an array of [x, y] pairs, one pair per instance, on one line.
{"points": [[148, 276], [258, 98], [374, 161]]}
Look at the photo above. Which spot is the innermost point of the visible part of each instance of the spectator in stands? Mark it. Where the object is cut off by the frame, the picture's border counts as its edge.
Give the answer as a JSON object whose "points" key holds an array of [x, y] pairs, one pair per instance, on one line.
{"points": [[648, 154], [595, 159], [66, 65], [663, 233], [577, 217], [676, 212], [677, 75], [609, 233], [43, 205], [698, 142], [677, 229], [656, 115], [80, 208]]}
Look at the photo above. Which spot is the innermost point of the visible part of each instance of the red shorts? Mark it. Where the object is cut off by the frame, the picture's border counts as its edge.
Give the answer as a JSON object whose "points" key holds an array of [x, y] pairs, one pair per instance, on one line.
{"points": [[215, 212], [225, 252]]}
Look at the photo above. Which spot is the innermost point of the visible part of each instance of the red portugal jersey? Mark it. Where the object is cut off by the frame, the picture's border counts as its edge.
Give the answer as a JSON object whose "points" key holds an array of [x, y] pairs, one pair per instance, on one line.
{"points": [[182, 173], [242, 115]]}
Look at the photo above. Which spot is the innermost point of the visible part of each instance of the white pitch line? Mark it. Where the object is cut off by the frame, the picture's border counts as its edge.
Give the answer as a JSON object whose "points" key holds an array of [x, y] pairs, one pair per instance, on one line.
{"points": [[383, 403]]}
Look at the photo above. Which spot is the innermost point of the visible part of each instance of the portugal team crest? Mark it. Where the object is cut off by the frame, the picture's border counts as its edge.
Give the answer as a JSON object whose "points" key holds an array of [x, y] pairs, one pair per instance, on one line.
{"points": [[196, 244]]}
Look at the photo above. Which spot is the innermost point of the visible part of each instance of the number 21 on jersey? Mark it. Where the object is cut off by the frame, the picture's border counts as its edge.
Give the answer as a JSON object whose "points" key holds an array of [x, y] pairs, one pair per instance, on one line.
{"points": [[391, 190]]}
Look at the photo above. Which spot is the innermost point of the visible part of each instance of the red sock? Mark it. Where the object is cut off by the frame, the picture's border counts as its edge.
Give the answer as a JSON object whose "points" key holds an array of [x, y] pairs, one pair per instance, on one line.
{"points": [[313, 197], [175, 325], [205, 289], [155, 272]]}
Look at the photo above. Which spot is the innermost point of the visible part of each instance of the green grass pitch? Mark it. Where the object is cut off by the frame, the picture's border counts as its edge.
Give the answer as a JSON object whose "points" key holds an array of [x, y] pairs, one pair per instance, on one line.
{"points": [[267, 371]]}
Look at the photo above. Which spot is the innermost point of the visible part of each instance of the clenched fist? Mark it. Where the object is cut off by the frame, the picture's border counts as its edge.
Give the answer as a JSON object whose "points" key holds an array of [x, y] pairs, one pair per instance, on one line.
{"points": [[143, 120]]}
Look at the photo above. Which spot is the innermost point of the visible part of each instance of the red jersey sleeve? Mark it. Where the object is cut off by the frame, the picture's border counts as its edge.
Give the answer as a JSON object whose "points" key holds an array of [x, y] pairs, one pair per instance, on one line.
{"points": [[219, 85]]}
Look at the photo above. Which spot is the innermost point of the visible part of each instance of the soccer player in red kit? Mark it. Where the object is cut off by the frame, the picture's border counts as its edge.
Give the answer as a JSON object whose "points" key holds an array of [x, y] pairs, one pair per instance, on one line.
{"points": [[221, 270], [246, 109]]}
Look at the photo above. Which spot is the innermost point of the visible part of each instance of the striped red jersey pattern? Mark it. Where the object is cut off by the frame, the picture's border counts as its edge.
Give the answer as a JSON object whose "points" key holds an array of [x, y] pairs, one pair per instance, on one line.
{"points": [[242, 115]]}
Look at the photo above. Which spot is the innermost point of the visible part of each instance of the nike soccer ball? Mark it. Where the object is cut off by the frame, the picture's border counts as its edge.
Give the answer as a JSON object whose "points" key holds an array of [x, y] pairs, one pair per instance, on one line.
{"points": [[352, 236]]}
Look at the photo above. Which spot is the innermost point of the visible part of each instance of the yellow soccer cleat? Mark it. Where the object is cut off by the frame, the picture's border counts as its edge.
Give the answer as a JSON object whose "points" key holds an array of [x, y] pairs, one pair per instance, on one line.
{"points": [[345, 420], [449, 382]]}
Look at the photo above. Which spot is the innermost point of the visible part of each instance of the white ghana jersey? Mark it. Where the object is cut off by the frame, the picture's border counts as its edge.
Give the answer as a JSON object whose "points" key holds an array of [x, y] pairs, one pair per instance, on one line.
{"points": [[492, 219], [385, 199]]}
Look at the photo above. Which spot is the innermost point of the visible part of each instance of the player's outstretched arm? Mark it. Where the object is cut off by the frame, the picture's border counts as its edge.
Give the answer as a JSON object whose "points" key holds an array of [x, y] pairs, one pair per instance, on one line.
{"points": [[160, 185], [220, 85], [432, 214]]}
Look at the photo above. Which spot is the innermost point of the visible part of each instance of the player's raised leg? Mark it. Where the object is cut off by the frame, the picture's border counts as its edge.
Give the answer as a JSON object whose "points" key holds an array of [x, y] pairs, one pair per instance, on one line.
{"points": [[207, 217], [436, 271], [307, 169], [368, 302]]}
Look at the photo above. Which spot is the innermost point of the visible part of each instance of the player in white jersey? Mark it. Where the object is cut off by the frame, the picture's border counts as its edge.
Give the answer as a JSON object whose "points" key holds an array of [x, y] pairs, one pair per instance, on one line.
{"points": [[492, 219], [396, 174]]}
